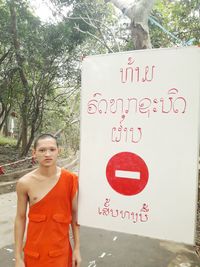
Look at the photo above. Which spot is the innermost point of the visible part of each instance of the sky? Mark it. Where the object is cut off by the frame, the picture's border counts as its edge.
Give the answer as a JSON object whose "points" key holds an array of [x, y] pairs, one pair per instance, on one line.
{"points": [[42, 9]]}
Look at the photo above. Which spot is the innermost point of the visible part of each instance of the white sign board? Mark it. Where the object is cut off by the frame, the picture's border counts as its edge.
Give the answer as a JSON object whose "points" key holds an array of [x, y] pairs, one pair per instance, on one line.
{"points": [[140, 142]]}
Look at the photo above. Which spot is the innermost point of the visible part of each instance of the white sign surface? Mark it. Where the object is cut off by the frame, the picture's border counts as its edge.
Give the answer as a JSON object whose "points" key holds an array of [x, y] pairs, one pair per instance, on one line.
{"points": [[140, 142]]}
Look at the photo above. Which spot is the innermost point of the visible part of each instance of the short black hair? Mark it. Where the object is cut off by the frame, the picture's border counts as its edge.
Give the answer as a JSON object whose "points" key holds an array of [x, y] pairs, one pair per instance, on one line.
{"points": [[44, 136]]}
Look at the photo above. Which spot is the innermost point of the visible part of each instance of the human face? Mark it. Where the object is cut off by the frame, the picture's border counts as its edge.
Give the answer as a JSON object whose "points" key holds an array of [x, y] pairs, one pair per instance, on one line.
{"points": [[46, 152]]}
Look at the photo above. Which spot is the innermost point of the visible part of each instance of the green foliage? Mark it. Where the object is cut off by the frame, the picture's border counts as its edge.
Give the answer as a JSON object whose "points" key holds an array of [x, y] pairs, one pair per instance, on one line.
{"points": [[96, 22], [46, 55], [181, 18], [51, 55], [7, 141]]}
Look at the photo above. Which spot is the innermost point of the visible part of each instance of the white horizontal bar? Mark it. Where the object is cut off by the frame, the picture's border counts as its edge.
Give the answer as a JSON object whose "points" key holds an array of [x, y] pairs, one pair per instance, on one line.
{"points": [[127, 174]]}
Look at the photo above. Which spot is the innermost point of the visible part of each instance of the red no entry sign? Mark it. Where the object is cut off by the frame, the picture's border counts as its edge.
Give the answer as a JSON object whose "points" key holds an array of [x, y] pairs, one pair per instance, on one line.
{"points": [[127, 173]]}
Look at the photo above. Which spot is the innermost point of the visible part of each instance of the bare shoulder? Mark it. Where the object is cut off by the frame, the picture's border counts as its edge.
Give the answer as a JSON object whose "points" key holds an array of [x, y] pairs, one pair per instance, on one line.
{"points": [[24, 182]]}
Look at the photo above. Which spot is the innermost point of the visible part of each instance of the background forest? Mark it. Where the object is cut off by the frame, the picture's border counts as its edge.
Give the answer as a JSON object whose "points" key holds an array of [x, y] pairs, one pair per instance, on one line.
{"points": [[40, 62]]}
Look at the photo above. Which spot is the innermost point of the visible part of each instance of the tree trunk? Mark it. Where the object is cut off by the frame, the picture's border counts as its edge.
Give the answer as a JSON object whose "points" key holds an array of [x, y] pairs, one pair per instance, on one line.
{"points": [[5, 116], [30, 141], [4, 56], [24, 81], [138, 12], [24, 134], [19, 141]]}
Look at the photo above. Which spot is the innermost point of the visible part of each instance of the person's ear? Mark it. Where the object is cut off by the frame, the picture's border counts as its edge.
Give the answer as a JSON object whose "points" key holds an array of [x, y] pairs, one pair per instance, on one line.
{"points": [[33, 153], [33, 157]]}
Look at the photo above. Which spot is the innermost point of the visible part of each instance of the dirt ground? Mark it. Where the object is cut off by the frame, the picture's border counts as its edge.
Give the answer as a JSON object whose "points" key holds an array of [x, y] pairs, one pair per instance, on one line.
{"points": [[9, 155]]}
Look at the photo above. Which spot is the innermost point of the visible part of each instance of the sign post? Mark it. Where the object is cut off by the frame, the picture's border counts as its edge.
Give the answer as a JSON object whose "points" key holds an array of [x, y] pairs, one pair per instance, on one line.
{"points": [[140, 142]]}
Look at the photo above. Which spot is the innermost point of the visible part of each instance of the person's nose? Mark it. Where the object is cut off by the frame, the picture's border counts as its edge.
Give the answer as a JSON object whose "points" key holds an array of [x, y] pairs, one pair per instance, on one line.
{"points": [[47, 152]]}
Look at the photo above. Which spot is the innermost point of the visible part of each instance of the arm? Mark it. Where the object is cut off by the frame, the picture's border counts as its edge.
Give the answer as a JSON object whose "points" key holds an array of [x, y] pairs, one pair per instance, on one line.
{"points": [[76, 260], [20, 223]]}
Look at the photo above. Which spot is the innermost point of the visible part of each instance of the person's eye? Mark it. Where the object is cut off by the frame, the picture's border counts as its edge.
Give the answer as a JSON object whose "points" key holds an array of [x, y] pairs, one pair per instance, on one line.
{"points": [[52, 149]]}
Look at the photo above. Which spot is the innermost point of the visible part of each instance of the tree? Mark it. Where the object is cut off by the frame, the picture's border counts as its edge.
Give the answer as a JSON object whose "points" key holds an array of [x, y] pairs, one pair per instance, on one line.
{"points": [[40, 63], [171, 22], [138, 12], [22, 74], [179, 23], [43, 62], [95, 20], [7, 69], [7, 93]]}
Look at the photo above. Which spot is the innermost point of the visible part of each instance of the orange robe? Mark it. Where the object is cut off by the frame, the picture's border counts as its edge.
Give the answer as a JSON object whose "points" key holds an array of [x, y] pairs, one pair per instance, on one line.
{"points": [[47, 243]]}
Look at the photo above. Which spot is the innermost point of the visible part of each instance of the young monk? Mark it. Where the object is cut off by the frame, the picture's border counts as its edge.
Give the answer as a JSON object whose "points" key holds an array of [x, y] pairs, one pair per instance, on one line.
{"points": [[50, 194]]}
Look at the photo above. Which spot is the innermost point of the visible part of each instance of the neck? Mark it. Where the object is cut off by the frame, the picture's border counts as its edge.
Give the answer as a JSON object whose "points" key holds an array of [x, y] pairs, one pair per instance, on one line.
{"points": [[48, 171]]}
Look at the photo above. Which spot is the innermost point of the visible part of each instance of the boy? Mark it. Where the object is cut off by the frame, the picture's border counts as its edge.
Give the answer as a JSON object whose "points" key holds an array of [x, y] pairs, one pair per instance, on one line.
{"points": [[51, 194]]}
